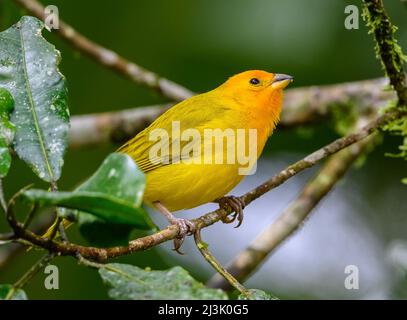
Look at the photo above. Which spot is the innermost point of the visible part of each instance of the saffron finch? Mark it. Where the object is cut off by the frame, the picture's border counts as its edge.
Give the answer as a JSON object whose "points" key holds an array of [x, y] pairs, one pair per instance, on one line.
{"points": [[177, 180]]}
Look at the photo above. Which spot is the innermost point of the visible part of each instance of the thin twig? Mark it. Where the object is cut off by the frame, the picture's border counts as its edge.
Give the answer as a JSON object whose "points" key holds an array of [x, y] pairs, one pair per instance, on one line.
{"points": [[210, 218], [58, 226], [89, 263], [18, 227], [10, 251], [62, 231], [30, 216], [6, 236], [30, 274], [55, 228], [111, 59], [247, 261], [203, 249], [3, 202]]}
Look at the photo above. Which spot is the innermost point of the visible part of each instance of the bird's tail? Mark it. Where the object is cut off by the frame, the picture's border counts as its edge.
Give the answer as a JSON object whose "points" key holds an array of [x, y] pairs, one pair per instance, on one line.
{"points": [[65, 222], [50, 231]]}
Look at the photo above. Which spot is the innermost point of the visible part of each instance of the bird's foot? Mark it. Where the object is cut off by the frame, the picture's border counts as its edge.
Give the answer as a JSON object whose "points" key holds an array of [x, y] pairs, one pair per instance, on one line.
{"points": [[186, 228], [236, 204]]}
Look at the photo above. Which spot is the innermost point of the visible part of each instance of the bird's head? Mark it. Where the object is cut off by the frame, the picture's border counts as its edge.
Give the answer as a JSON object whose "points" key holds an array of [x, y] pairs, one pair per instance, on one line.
{"points": [[256, 82], [257, 94], [257, 87]]}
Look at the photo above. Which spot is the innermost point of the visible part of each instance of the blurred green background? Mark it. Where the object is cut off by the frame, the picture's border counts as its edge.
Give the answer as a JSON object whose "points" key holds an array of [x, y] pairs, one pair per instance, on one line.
{"points": [[199, 44]]}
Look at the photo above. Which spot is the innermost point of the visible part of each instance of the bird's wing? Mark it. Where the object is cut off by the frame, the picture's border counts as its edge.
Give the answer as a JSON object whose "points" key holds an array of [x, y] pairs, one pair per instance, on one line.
{"points": [[199, 112]]}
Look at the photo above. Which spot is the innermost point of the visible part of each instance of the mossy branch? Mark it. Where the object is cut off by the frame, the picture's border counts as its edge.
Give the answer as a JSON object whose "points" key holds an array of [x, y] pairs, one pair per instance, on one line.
{"points": [[387, 47], [393, 59]]}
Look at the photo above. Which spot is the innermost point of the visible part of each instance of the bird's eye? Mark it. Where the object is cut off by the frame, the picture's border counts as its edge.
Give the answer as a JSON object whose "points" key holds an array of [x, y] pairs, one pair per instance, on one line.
{"points": [[254, 81]]}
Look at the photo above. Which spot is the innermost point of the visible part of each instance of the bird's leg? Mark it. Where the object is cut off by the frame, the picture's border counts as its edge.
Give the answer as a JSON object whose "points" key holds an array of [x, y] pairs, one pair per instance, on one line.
{"points": [[186, 227], [237, 206]]}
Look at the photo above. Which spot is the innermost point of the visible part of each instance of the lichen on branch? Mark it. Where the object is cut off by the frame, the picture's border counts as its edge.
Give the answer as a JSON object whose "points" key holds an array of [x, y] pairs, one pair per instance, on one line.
{"points": [[392, 58], [387, 48]]}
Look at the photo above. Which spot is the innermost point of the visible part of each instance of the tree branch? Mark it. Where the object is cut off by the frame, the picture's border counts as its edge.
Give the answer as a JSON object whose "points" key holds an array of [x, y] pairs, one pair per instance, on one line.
{"points": [[30, 274], [247, 261], [9, 251], [3, 203], [302, 106], [322, 153], [110, 127], [110, 59], [387, 47], [210, 218], [230, 280]]}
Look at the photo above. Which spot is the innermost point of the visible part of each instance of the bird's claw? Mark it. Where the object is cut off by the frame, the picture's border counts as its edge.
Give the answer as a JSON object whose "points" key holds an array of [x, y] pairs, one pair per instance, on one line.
{"points": [[186, 227], [237, 205]]}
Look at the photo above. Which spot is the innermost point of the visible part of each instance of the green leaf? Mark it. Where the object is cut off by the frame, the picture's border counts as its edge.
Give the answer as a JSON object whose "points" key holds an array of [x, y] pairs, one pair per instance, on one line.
{"points": [[29, 70], [256, 294], [101, 233], [119, 177], [5, 159], [6, 103], [114, 194], [18, 295], [132, 283], [7, 130]]}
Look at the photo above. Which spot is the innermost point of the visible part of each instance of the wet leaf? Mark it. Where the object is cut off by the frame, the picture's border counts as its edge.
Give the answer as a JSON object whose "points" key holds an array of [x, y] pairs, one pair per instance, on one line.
{"points": [[29, 71], [120, 177], [6, 103], [256, 294], [5, 159], [18, 295], [114, 193], [127, 282], [101, 233], [7, 130]]}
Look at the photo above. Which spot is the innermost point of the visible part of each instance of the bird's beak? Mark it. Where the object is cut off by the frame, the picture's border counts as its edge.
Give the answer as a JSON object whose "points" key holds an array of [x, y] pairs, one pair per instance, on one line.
{"points": [[280, 81]]}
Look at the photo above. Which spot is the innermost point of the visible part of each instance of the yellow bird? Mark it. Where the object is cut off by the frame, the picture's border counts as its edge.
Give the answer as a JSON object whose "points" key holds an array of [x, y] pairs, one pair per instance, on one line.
{"points": [[201, 148]]}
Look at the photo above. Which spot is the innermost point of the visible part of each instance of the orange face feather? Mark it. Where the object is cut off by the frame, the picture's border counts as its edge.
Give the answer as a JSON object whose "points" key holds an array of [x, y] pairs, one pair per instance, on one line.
{"points": [[259, 95]]}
